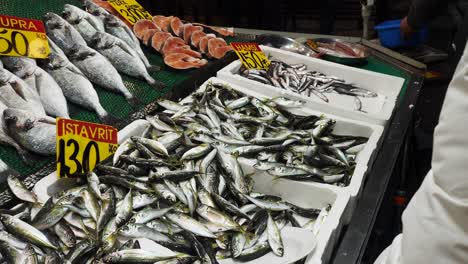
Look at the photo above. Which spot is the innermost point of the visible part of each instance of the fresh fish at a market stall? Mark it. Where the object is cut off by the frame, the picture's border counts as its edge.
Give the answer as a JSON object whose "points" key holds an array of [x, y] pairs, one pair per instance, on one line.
{"points": [[122, 57], [100, 71], [5, 139], [47, 88], [141, 26], [37, 134], [217, 47], [61, 32], [16, 93], [158, 39], [23, 67], [117, 28], [183, 61], [194, 197], [296, 78], [75, 86], [86, 24]]}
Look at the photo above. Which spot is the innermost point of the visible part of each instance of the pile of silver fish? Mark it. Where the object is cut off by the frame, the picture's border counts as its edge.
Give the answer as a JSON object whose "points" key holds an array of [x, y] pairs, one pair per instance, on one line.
{"points": [[33, 93], [296, 78], [285, 145], [174, 184]]}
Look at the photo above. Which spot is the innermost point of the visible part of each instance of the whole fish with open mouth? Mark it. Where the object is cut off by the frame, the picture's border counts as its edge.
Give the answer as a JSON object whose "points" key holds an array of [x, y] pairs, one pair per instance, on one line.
{"points": [[86, 24], [119, 29], [49, 91], [5, 139], [99, 71], [36, 134], [123, 57], [75, 86], [61, 32], [16, 93]]}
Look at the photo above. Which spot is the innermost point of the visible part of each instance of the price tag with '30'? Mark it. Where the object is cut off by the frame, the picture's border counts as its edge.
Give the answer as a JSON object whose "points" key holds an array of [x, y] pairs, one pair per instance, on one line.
{"points": [[82, 145]]}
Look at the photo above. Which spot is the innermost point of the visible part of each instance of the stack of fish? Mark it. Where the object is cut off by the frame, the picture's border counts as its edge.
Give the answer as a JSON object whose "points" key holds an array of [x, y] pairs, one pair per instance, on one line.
{"points": [[174, 40], [296, 78], [32, 92], [185, 195], [100, 45]]}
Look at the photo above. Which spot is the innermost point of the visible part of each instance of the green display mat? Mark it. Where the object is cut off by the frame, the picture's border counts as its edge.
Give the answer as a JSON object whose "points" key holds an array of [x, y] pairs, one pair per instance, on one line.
{"points": [[113, 103]]}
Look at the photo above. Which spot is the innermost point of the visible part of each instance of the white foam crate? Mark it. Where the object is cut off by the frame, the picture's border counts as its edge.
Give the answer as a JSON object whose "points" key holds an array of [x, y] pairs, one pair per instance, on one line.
{"points": [[343, 126], [378, 109], [307, 196]]}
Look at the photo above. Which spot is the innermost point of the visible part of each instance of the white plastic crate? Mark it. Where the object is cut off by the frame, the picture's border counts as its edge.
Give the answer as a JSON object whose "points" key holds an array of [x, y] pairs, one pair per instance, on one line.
{"points": [[307, 196], [343, 126], [378, 110]]}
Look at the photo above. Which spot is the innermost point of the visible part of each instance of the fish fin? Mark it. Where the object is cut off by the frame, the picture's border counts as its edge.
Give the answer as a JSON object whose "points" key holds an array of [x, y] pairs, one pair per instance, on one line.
{"points": [[26, 157], [18, 89], [158, 85], [153, 68], [47, 120]]}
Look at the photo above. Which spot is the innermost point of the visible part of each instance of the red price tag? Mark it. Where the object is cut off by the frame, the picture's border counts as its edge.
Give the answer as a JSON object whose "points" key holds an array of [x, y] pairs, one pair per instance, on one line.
{"points": [[82, 145], [23, 37]]}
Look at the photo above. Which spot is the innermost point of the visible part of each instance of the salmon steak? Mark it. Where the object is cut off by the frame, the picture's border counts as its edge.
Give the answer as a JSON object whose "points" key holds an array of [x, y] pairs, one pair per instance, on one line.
{"points": [[182, 61], [141, 26]]}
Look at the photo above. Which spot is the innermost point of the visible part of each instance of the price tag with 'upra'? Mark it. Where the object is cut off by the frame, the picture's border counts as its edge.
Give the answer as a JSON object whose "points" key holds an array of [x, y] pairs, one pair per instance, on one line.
{"points": [[251, 55], [23, 37], [82, 145], [131, 10]]}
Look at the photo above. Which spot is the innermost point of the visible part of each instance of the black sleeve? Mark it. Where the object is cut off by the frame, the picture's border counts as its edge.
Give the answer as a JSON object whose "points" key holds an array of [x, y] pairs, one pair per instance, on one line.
{"points": [[422, 11]]}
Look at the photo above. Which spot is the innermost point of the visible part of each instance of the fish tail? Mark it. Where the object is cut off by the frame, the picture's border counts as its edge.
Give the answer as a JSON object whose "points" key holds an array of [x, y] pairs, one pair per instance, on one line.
{"points": [[158, 85], [110, 119], [26, 157], [153, 68]]}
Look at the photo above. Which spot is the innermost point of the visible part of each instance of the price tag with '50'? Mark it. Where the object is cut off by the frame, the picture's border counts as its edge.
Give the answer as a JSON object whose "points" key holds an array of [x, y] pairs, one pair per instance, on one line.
{"points": [[251, 55], [82, 145], [23, 37], [130, 10]]}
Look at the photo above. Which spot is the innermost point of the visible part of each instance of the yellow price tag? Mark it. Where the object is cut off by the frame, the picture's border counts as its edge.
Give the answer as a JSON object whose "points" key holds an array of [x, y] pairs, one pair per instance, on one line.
{"points": [[130, 10], [23, 37], [251, 55], [82, 145]]}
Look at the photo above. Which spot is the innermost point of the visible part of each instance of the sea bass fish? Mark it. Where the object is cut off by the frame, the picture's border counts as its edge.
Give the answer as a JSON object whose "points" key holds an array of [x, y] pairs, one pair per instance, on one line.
{"points": [[16, 93], [86, 24], [75, 86], [99, 71], [61, 32], [36, 134], [123, 57]]}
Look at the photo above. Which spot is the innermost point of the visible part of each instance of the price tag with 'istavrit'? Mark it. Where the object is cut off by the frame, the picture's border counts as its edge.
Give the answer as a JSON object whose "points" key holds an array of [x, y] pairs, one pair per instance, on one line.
{"points": [[23, 37], [130, 10], [251, 55], [82, 145]]}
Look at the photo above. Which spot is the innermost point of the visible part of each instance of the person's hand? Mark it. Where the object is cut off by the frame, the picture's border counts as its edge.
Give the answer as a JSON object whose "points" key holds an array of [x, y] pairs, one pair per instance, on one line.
{"points": [[406, 30]]}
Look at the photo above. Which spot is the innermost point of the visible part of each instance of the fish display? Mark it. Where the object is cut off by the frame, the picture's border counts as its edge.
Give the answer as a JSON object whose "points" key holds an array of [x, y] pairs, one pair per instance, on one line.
{"points": [[296, 78], [179, 184], [171, 37]]}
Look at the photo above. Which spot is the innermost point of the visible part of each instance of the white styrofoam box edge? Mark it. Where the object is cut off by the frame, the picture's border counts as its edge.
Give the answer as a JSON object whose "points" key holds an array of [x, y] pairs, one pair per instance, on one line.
{"points": [[383, 84], [333, 224], [295, 191], [352, 127]]}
